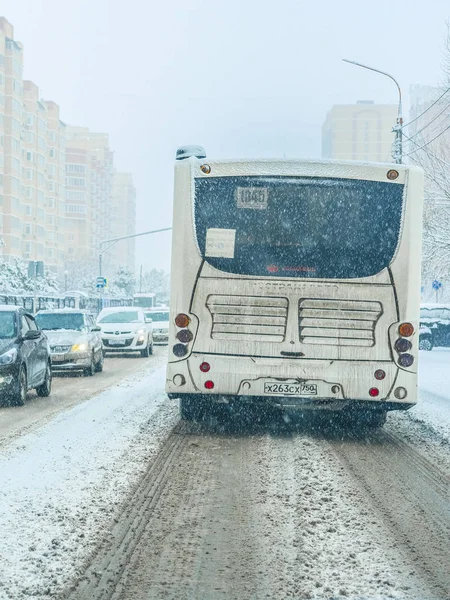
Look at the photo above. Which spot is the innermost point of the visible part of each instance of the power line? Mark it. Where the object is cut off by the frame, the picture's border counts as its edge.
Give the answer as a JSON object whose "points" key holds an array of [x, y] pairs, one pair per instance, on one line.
{"points": [[429, 142], [427, 109], [429, 123]]}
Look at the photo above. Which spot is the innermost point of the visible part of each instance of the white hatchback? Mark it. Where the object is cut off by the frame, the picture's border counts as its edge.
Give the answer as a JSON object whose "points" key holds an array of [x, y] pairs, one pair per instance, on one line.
{"points": [[125, 329]]}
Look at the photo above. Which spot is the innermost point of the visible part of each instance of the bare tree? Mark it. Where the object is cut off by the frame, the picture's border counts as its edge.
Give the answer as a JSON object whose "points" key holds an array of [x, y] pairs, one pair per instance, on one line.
{"points": [[429, 147]]}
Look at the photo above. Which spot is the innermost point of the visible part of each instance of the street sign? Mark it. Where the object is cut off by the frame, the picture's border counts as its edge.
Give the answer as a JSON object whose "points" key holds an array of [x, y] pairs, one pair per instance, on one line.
{"points": [[436, 285], [102, 282]]}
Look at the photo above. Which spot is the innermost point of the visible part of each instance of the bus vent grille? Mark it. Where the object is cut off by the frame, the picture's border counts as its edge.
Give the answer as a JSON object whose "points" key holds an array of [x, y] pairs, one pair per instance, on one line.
{"points": [[338, 322], [248, 318]]}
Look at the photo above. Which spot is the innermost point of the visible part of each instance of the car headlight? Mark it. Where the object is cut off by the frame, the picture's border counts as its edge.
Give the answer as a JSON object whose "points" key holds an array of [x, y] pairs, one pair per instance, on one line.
{"points": [[140, 331], [79, 347], [8, 357]]}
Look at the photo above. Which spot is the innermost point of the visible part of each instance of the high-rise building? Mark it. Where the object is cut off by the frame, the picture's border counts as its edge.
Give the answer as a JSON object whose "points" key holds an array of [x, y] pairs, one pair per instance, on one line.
{"points": [[100, 204], [11, 98], [31, 203], [59, 196], [361, 131], [123, 218]]}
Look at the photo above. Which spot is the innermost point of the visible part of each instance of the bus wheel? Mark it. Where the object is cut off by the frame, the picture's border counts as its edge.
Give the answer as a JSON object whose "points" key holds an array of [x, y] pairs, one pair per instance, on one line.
{"points": [[191, 409]]}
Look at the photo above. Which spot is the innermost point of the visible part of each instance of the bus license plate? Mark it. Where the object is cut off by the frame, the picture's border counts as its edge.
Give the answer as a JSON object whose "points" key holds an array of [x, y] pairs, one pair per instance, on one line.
{"points": [[290, 389]]}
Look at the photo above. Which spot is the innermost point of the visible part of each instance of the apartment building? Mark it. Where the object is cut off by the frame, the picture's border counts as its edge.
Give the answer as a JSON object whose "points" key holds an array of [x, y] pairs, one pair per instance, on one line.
{"points": [[31, 210], [11, 94], [361, 131], [123, 217], [100, 202], [89, 169], [59, 194]]}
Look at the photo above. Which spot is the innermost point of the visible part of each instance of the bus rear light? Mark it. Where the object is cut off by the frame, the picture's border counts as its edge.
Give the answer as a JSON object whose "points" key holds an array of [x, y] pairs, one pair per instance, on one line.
{"points": [[400, 393], [182, 320], [209, 385], [373, 392], [402, 345], [406, 330], [379, 374], [205, 367], [179, 350], [185, 336], [406, 360]]}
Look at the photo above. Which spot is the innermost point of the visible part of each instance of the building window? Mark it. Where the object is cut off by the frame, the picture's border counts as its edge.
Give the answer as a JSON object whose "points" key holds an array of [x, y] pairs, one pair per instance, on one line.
{"points": [[79, 209], [29, 192], [29, 174], [28, 229], [29, 156], [75, 168], [76, 181], [52, 153], [75, 195]]}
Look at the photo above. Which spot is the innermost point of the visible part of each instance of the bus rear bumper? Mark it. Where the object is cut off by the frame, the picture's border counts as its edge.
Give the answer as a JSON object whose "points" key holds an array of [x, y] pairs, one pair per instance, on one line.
{"points": [[305, 384]]}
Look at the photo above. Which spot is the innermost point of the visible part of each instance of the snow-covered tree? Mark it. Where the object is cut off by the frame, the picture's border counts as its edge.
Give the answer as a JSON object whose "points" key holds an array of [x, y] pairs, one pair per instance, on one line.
{"points": [[157, 281], [122, 283], [428, 144], [14, 280]]}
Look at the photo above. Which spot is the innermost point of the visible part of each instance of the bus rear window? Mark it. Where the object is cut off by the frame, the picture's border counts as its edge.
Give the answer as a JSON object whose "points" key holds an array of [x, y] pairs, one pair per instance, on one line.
{"points": [[297, 226]]}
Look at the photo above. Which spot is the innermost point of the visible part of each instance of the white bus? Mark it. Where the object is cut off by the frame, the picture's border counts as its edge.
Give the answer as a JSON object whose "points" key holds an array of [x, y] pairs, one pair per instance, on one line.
{"points": [[144, 300], [295, 283]]}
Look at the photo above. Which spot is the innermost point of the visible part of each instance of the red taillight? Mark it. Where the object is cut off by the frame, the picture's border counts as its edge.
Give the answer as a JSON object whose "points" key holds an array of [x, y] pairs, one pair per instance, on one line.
{"points": [[205, 367], [209, 385], [182, 320], [379, 374], [374, 392]]}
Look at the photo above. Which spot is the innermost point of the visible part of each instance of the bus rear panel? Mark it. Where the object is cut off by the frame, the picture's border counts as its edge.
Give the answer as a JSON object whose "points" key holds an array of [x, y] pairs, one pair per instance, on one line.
{"points": [[295, 283]]}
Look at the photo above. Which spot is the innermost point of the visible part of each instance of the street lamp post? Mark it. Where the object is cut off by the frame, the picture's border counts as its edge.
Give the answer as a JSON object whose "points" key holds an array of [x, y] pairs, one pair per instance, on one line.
{"points": [[111, 242], [66, 275], [397, 151]]}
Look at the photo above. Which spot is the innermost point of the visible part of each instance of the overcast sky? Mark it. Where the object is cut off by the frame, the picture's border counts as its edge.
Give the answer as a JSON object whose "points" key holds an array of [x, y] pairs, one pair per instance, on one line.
{"points": [[243, 78]]}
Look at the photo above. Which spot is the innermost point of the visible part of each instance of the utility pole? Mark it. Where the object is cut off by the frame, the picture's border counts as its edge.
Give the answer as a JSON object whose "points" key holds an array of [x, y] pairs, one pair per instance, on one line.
{"points": [[397, 148], [140, 280]]}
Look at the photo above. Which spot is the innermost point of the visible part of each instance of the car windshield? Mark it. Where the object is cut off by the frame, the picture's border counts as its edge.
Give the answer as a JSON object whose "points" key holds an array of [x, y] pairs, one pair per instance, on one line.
{"points": [[56, 321], [157, 316], [7, 325], [121, 317]]}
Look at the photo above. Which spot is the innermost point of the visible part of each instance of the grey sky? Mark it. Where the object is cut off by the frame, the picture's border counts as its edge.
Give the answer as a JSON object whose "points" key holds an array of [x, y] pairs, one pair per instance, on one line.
{"points": [[242, 78]]}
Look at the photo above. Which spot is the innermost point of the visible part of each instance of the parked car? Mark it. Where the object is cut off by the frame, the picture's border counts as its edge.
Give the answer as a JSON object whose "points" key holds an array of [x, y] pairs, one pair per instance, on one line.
{"points": [[25, 361], [75, 340], [160, 318], [434, 326], [126, 329]]}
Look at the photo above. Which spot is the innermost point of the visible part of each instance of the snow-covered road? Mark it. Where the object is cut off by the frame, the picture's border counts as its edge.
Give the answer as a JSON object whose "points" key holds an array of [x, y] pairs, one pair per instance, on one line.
{"points": [[116, 489]]}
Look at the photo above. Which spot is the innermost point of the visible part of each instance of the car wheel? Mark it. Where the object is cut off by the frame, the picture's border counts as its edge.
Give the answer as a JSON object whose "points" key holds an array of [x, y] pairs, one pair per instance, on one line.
{"points": [[99, 365], [425, 344], [45, 388], [146, 353], [20, 393], [150, 349], [90, 371]]}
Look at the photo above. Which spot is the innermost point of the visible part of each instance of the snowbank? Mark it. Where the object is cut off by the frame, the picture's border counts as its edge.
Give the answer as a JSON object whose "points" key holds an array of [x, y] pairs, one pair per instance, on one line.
{"points": [[60, 485]]}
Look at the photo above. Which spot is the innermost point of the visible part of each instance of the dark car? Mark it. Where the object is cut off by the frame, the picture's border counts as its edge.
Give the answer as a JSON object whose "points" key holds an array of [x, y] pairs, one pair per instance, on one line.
{"points": [[25, 361], [434, 326]]}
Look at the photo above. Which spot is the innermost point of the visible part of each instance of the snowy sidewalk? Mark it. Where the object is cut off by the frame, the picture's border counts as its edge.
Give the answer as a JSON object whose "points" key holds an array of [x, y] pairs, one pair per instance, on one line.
{"points": [[60, 484]]}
